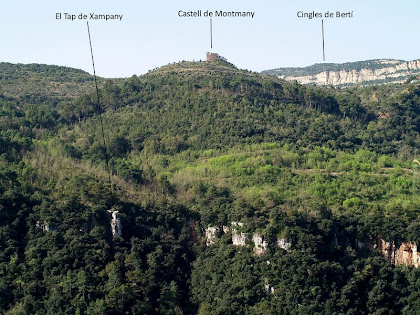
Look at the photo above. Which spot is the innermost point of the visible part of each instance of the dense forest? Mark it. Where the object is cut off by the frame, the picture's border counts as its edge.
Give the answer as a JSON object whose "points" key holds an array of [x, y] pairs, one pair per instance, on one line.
{"points": [[195, 145]]}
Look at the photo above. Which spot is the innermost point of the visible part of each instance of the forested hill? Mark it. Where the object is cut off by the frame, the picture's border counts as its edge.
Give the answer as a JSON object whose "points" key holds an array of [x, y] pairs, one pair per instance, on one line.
{"points": [[367, 72], [202, 106], [196, 147], [54, 83]]}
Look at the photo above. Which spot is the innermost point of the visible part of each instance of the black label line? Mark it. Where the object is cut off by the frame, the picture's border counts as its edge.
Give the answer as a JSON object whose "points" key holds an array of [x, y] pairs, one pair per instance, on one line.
{"points": [[211, 33], [100, 109], [323, 41]]}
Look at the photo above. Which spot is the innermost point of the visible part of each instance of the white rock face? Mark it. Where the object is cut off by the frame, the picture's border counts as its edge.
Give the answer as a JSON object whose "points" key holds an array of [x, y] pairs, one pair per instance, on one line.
{"points": [[268, 288], [44, 226], [407, 254], [260, 245], [284, 243], [395, 70], [238, 239], [416, 257], [387, 250], [211, 234], [116, 226]]}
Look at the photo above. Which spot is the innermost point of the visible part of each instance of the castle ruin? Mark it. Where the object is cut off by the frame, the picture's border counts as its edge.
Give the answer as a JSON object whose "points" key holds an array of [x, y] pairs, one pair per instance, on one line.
{"points": [[212, 57]]}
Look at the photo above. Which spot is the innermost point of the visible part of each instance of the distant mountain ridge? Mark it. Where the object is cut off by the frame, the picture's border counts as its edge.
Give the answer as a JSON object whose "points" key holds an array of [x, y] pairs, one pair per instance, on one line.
{"points": [[363, 72]]}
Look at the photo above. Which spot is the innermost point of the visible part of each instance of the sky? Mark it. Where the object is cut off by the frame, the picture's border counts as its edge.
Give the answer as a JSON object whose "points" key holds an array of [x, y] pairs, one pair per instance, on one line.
{"points": [[151, 34]]}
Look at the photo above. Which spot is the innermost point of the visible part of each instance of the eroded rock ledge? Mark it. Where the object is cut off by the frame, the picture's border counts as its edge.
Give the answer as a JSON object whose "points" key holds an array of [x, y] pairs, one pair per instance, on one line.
{"points": [[405, 253]]}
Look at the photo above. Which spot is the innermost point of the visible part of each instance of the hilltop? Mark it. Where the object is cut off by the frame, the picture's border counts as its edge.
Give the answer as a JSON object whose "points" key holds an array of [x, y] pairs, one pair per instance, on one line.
{"points": [[376, 71]]}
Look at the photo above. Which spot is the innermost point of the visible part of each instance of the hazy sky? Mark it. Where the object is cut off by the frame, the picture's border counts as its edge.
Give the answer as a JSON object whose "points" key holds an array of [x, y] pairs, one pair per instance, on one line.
{"points": [[151, 34]]}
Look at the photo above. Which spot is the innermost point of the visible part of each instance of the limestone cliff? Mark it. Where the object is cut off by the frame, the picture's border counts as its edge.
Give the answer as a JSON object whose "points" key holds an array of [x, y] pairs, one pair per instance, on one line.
{"points": [[45, 226], [284, 243], [260, 244], [116, 226], [405, 254], [238, 238], [363, 72], [211, 235]]}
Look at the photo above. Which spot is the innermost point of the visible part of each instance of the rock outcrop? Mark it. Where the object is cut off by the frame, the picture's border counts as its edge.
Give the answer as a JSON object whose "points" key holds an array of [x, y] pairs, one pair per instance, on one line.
{"points": [[45, 226], [116, 226], [238, 238], [268, 288], [284, 243], [260, 244], [365, 72], [405, 254], [211, 235], [363, 243]]}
